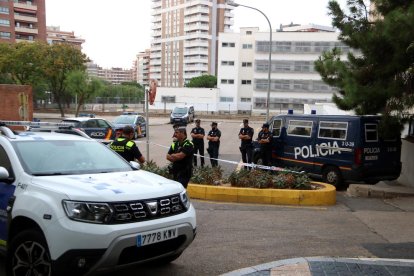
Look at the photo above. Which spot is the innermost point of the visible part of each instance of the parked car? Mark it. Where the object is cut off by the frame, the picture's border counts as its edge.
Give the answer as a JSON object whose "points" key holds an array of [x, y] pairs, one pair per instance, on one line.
{"points": [[182, 114], [96, 128], [337, 148], [136, 121], [71, 206]]}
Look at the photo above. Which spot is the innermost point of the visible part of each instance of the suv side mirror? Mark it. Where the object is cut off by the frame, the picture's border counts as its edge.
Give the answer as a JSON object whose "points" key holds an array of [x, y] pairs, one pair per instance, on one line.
{"points": [[4, 174], [135, 165]]}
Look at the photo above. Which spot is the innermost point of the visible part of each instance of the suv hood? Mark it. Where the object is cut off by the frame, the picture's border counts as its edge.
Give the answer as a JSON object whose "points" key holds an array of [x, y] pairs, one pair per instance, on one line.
{"points": [[107, 187]]}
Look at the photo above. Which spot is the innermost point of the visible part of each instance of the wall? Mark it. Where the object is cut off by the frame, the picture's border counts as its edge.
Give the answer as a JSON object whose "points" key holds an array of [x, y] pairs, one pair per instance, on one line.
{"points": [[407, 172], [203, 99], [16, 102]]}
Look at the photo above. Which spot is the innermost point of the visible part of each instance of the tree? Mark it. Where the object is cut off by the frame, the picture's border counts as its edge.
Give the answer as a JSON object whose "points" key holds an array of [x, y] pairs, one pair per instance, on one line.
{"points": [[378, 77], [60, 59], [206, 81], [22, 61], [83, 88]]}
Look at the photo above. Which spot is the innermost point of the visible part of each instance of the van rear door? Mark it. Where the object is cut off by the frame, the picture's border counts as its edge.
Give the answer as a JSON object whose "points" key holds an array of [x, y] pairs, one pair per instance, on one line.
{"points": [[380, 157]]}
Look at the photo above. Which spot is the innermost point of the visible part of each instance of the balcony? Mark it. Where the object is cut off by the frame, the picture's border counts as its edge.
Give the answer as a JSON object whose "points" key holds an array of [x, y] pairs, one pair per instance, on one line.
{"points": [[156, 27], [24, 18], [198, 18], [197, 51], [196, 10], [197, 26], [196, 43], [27, 5], [26, 30], [156, 55]]}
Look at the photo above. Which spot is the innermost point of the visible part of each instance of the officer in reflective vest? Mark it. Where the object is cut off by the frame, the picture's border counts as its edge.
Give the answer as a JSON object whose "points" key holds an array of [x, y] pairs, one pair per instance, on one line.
{"points": [[181, 155], [126, 147]]}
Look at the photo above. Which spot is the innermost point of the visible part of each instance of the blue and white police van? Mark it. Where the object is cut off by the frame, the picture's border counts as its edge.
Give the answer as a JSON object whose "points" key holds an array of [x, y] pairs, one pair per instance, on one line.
{"points": [[337, 148]]}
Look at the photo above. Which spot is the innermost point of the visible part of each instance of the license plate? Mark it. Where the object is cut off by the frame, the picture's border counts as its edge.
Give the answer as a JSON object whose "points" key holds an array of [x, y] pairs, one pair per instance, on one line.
{"points": [[152, 237]]}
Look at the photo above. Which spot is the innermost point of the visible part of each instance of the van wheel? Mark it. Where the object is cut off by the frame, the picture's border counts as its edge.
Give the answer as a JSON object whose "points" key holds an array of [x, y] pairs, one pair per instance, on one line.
{"points": [[29, 255], [257, 159], [332, 175]]}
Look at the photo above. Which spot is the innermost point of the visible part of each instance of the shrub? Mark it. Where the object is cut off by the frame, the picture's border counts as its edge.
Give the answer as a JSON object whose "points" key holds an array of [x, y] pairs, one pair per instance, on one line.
{"points": [[151, 166], [207, 175], [254, 178], [265, 179]]}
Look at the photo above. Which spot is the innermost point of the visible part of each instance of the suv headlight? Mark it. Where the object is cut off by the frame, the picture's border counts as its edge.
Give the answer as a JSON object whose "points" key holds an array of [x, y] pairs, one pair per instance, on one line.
{"points": [[88, 211], [185, 199]]}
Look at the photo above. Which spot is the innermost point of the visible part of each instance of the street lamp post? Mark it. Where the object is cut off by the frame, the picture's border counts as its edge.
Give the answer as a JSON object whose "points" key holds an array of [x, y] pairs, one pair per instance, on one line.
{"points": [[231, 3]]}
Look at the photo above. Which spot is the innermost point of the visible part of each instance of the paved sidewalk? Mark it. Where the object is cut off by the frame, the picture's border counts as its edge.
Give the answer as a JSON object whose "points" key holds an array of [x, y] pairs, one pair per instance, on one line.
{"points": [[318, 266]]}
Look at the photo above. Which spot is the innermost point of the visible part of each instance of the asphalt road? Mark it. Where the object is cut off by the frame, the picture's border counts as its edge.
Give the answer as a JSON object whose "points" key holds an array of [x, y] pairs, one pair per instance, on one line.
{"points": [[234, 236]]}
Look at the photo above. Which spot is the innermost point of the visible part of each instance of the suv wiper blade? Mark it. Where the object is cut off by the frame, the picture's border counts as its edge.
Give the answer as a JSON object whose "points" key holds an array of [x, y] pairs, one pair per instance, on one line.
{"points": [[48, 174]]}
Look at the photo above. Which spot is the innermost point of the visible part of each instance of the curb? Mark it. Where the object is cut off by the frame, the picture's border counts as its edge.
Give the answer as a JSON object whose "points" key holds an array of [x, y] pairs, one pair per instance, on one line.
{"points": [[304, 260], [322, 197]]}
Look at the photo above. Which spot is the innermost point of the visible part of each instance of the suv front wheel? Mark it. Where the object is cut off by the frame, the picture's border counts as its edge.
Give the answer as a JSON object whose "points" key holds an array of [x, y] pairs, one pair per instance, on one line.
{"points": [[29, 255]]}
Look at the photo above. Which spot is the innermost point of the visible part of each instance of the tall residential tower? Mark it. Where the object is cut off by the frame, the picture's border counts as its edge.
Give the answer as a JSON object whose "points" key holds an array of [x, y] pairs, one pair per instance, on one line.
{"points": [[22, 20], [185, 38]]}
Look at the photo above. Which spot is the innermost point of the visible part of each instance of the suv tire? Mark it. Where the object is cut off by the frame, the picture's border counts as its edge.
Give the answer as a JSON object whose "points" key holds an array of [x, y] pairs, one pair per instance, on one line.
{"points": [[29, 255]]}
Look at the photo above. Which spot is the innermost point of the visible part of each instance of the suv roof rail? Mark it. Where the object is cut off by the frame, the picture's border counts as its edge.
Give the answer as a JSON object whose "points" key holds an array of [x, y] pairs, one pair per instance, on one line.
{"points": [[65, 128]]}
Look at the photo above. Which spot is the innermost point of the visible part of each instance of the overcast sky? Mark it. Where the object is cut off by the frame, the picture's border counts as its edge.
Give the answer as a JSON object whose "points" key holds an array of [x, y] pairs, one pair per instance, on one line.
{"points": [[115, 31]]}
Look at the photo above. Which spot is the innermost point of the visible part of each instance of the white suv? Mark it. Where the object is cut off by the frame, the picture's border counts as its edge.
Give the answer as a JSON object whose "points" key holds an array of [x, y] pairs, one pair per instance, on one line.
{"points": [[71, 206]]}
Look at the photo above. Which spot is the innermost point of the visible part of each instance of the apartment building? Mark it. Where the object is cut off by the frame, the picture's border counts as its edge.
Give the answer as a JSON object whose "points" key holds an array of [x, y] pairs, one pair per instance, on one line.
{"points": [[112, 75], [22, 20], [184, 38], [142, 67], [56, 36], [244, 64]]}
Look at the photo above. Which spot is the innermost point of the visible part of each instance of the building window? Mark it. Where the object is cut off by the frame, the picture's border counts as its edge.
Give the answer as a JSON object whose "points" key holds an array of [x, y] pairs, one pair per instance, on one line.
{"points": [[4, 10], [248, 32], [246, 64], [302, 47], [246, 100], [5, 35], [227, 63], [224, 81], [226, 99], [228, 44], [4, 22], [246, 82], [283, 46], [247, 46], [168, 99]]}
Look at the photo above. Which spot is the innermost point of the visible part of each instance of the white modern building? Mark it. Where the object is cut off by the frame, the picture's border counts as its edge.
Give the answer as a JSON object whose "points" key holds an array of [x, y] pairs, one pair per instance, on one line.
{"points": [[243, 68], [184, 38]]}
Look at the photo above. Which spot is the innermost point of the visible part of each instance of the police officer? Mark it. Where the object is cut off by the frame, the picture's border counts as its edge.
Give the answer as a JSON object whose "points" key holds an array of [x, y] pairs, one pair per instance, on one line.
{"points": [[198, 134], [265, 140], [127, 148], [246, 135], [181, 155], [213, 138]]}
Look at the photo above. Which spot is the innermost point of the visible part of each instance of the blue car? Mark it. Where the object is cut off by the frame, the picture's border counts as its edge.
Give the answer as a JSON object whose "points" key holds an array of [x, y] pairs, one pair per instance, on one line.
{"points": [[137, 122], [96, 128]]}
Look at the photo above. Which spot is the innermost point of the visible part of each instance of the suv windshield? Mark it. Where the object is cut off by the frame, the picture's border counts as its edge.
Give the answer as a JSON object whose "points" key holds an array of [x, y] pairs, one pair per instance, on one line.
{"points": [[180, 110], [68, 157], [124, 119]]}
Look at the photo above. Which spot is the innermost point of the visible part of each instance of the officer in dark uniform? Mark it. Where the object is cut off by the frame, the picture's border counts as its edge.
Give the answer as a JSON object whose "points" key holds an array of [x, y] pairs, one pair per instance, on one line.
{"points": [[127, 148], [265, 140], [213, 138], [198, 134], [181, 155], [246, 135]]}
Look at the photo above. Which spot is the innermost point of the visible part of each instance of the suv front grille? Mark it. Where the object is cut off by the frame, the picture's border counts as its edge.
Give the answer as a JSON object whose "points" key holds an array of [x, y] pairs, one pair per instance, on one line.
{"points": [[148, 209]]}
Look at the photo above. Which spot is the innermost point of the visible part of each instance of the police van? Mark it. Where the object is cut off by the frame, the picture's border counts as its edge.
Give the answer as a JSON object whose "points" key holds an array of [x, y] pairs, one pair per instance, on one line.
{"points": [[337, 148]]}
